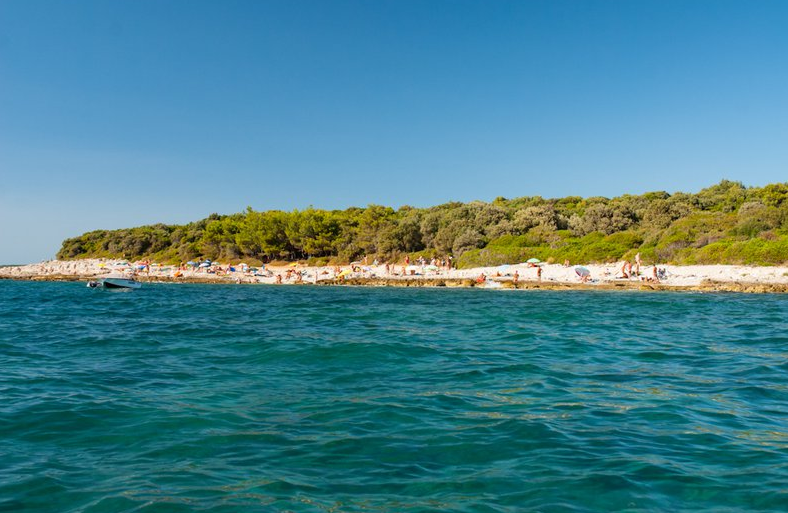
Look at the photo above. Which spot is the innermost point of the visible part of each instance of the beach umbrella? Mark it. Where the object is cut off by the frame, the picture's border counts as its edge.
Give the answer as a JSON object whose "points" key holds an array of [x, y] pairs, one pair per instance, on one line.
{"points": [[293, 264], [582, 271], [205, 264], [533, 261], [191, 263], [343, 273], [431, 268]]}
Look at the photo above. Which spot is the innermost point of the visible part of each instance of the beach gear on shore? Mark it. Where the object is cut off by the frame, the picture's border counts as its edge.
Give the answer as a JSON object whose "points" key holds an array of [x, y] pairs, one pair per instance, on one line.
{"points": [[582, 271]]}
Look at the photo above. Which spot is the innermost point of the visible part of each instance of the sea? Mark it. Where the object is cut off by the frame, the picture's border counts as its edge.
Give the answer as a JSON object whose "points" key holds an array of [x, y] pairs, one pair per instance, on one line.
{"points": [[255, 398]]}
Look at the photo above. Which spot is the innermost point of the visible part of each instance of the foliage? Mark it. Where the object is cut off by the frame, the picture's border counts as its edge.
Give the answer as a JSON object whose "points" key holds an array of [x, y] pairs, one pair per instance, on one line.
{"points": [[725, 223]]}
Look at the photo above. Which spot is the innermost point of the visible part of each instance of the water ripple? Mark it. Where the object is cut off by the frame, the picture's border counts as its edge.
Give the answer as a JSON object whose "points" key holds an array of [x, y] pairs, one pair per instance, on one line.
{"points": [[238, 398]]}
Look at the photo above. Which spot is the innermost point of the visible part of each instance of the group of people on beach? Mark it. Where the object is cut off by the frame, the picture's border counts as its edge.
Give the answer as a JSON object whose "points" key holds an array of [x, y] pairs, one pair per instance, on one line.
{"points": [[515, 277], [421, 266], [630, 271]]}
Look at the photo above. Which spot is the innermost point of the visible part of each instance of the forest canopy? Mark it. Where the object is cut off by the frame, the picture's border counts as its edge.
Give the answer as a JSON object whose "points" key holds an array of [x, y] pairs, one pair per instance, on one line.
{"points": [[727, 223]]}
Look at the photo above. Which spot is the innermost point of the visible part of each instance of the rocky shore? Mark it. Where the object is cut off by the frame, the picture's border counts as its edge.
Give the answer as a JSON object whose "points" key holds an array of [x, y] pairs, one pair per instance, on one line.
{"points": [[708, 278]]}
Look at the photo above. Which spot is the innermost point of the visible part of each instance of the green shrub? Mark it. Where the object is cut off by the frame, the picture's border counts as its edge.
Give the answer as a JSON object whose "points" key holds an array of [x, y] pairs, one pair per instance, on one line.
{"points": [[725, 223]]}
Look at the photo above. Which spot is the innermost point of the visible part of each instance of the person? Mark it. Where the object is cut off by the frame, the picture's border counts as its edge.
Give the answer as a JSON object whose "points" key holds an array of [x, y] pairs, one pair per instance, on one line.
{"points": [[654, 276], [566, 263], [481, 279], [516, 278], [626, 269], [539, 273], [407, 259], [278, 279]]}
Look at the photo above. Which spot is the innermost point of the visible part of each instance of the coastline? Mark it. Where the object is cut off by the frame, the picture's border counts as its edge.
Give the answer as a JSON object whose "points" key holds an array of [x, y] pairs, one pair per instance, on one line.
{"points": [[696, 278]]}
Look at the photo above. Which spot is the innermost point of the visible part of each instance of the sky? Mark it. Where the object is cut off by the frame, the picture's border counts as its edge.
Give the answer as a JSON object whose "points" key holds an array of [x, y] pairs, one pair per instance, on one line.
{"points": [[121, 113]]}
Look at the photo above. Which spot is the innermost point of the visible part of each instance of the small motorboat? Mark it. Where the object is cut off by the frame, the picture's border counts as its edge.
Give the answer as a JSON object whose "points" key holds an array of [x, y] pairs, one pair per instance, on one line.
{"points": [[115, 282], [121, 283]]}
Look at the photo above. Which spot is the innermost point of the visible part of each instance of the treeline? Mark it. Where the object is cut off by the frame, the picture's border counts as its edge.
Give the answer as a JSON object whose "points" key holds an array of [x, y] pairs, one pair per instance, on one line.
{"points": [[726, 223]]}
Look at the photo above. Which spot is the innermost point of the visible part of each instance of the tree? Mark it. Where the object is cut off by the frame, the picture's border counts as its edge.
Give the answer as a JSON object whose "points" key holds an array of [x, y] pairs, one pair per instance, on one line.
{"points": [[374, 223], [754, 217], [467, 240], [542, 215], [602, 218], [312, 232]]}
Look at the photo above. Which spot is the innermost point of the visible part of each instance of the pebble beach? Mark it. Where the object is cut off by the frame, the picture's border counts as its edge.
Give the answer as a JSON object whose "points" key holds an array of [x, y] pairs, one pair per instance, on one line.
{"points": [[605, 276]]}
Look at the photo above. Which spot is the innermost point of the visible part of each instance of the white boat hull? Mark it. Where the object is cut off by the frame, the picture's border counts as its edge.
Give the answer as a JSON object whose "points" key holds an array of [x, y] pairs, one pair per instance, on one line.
{"points": [[120, 283]]}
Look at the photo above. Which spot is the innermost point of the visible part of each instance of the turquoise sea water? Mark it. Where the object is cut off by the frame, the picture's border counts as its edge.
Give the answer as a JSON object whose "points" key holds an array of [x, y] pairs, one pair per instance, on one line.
{"points": [[189, 398]]}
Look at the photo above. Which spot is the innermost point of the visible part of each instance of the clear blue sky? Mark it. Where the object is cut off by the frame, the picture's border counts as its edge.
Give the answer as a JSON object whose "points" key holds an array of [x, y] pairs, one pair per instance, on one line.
{"points": [[121, 113]]}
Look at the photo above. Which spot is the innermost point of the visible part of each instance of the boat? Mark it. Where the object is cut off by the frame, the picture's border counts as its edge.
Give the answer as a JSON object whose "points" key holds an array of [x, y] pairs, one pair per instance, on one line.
{"points": [[115, 282], [121, 283]]}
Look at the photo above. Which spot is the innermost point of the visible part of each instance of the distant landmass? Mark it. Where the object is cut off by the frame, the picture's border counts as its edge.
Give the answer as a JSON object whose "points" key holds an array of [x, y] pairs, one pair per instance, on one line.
{"points": [[727, 223]]}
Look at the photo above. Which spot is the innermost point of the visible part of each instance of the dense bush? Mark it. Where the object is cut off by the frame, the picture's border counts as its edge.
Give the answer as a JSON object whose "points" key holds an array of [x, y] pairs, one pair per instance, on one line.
{"points": [[725, 223]]}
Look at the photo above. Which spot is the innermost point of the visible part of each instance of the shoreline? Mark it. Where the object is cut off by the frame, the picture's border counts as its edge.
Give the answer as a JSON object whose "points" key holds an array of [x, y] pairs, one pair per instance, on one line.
{"points": [[703, 278]]}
